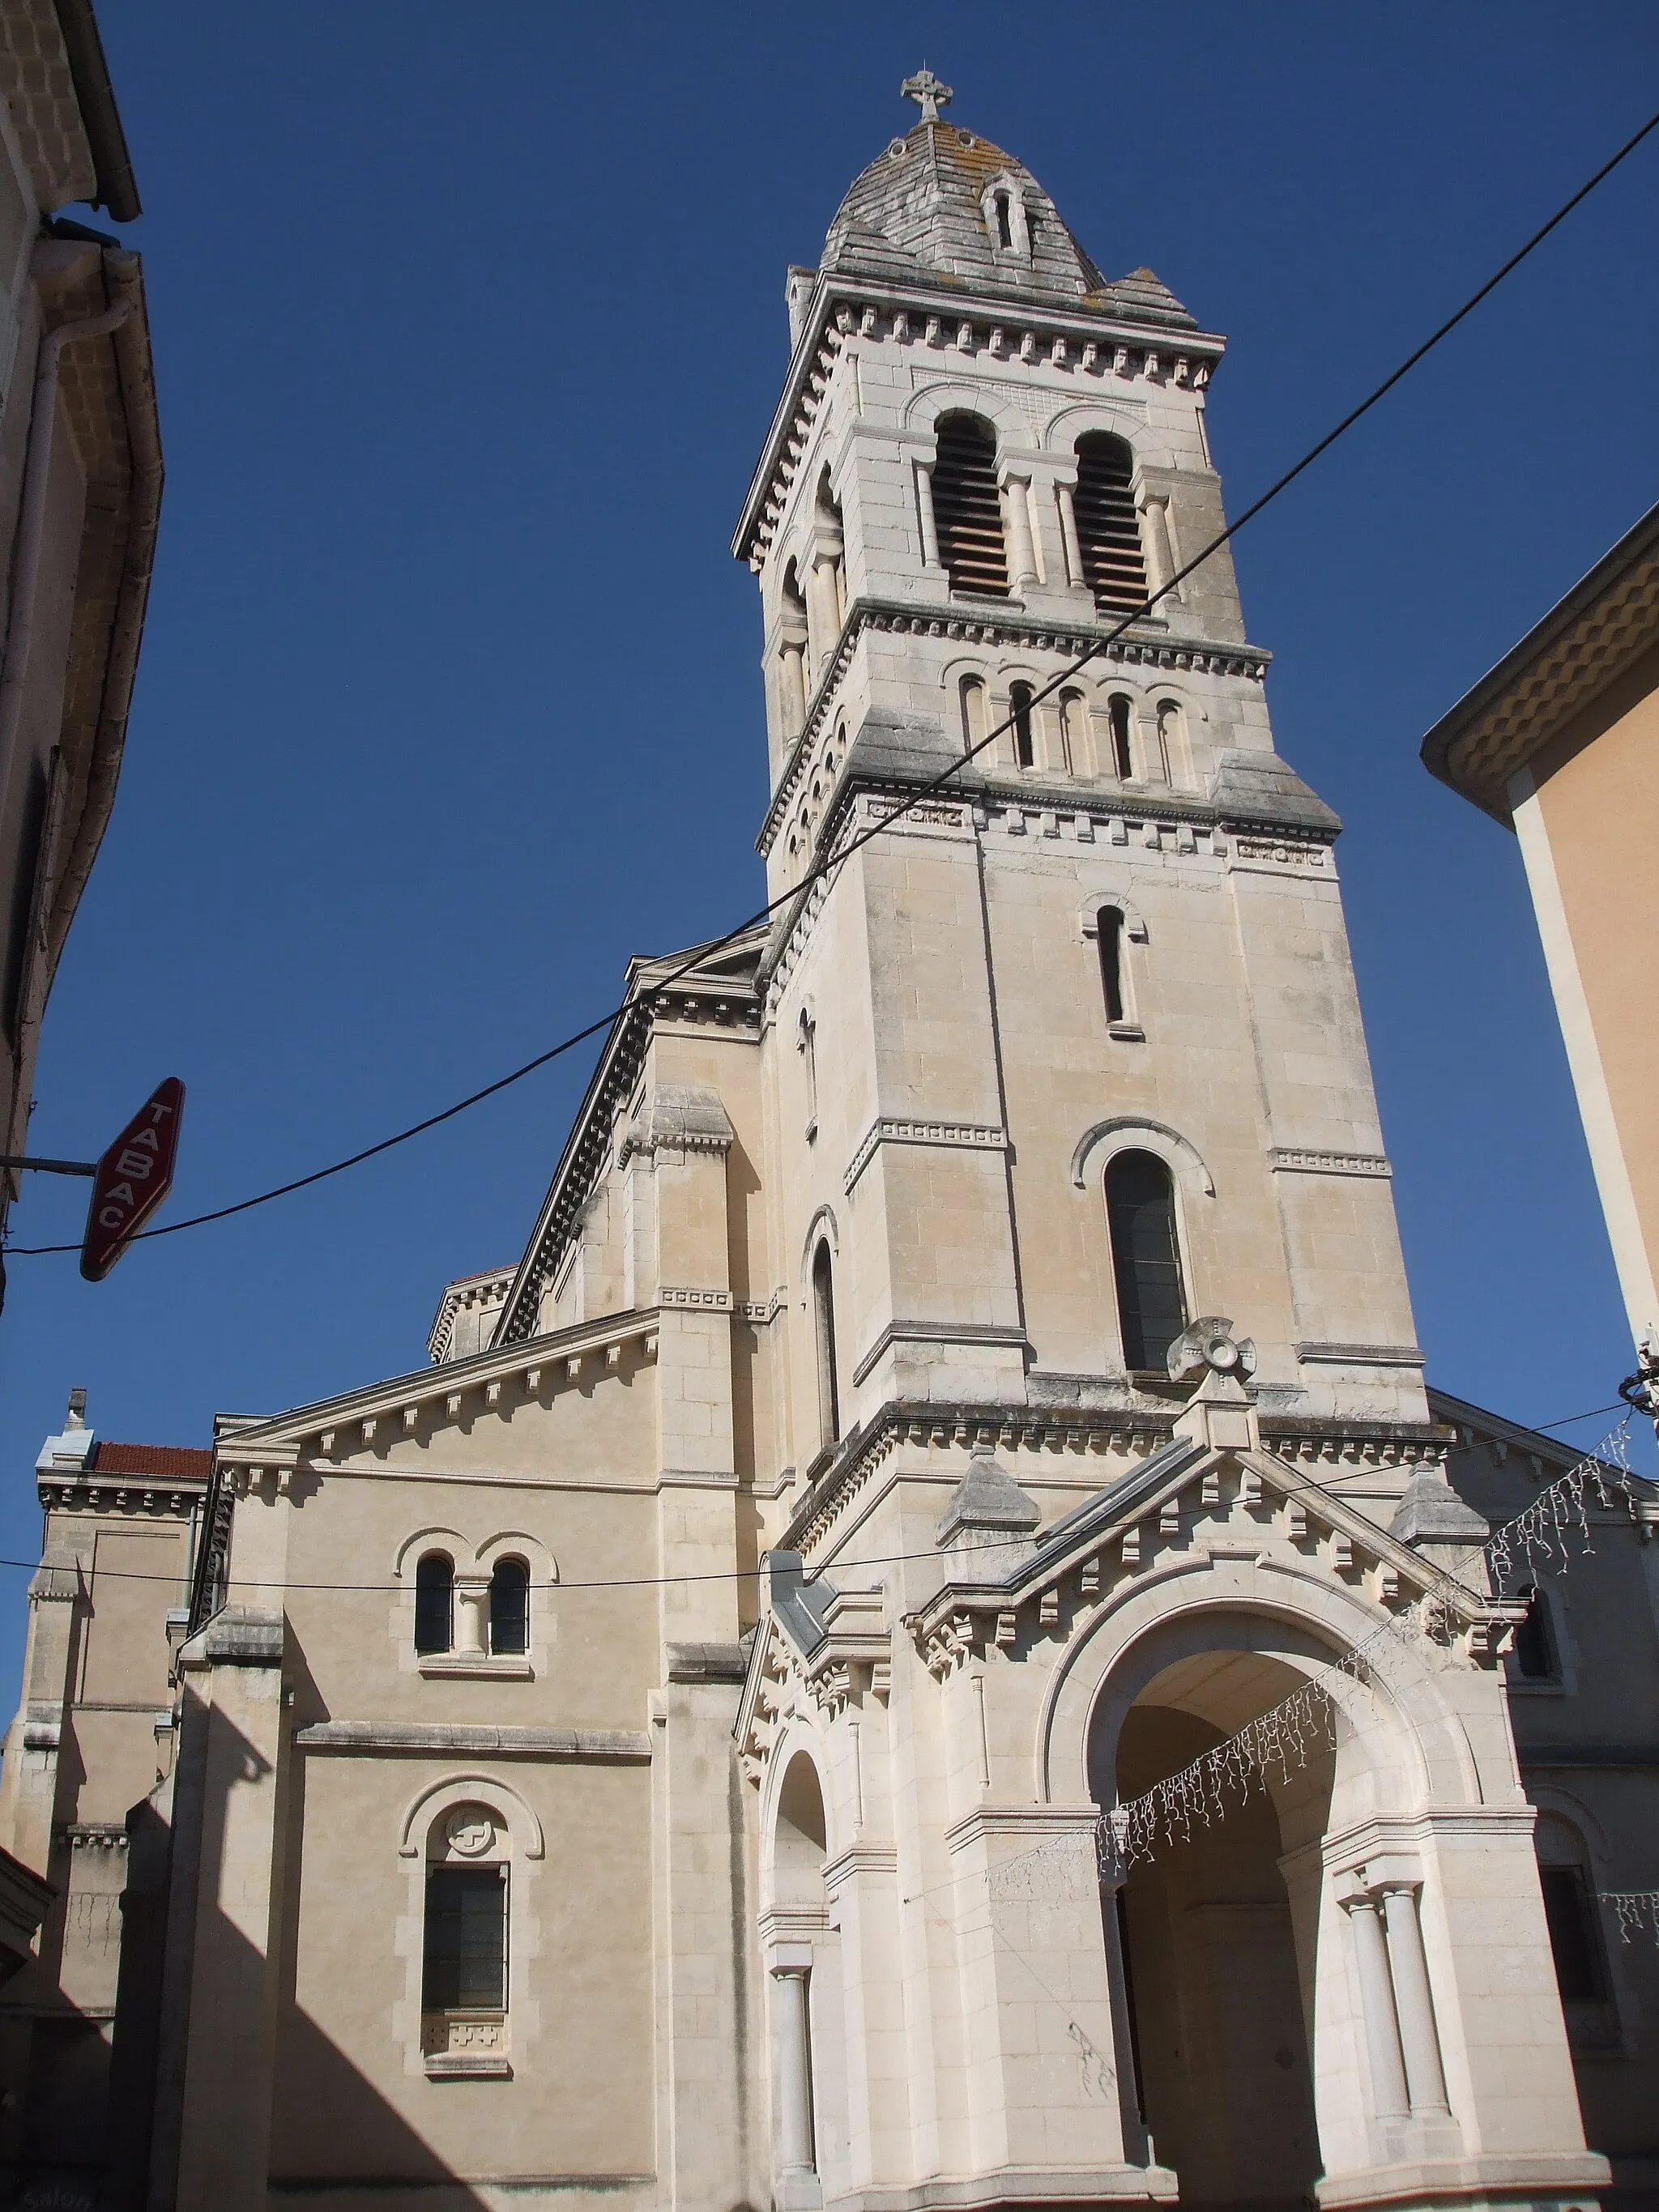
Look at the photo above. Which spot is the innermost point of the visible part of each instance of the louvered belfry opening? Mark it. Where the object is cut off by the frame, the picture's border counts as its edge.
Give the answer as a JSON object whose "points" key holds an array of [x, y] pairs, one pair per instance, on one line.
{"points": [[1107, 527], [967, 511]]}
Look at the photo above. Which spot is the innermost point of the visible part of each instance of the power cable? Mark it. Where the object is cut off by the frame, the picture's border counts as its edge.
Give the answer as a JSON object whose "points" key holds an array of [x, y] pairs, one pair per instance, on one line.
{"points": [[825, 867], [1305, 1486]]}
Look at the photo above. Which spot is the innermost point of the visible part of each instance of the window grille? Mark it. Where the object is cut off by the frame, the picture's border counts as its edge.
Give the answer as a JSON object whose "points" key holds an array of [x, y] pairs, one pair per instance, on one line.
{"points": [[435, 1603], [1107, 527], [1151, 1303], [967, 509], [464, 1959], [509, 1606]]}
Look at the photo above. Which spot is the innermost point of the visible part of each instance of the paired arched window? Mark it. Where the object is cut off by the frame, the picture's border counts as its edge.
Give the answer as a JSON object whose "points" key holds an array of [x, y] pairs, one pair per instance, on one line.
{"points": [[1119, 717], [1108, 931], [1141, 1218], [1171, 730], [824, 1321], [434, 1602], [1019, 706], [1107, 527], [509, 1606], [967, 507]]}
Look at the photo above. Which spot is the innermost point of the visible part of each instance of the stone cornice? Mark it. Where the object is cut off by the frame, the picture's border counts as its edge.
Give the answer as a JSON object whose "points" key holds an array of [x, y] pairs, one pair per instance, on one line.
{"points": [[896, 1129], [1100, 348], [590, 1746], [537, 1365], [1147, 644]]}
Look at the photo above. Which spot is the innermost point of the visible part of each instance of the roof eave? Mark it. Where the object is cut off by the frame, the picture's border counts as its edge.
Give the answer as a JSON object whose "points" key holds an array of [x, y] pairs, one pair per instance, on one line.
{"points": [[1436, 749]]}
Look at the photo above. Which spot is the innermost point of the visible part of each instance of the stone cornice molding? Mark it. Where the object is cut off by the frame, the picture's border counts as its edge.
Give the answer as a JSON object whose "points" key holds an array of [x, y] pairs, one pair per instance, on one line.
{"points": [[538, 1364], [591, 1747], [1146, 644], [941, 1332], [1109, 347], [902, 1129], [1288, 1159]]}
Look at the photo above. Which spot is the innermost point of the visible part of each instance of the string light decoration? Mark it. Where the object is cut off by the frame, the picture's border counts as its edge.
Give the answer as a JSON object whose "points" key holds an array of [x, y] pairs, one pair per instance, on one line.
{"points": [[1279, 1742], [1635, 1910]]}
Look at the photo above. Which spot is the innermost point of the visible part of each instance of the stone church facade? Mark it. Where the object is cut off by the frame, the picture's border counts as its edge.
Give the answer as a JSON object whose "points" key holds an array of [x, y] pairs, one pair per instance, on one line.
{"points": [[651, 1756]]}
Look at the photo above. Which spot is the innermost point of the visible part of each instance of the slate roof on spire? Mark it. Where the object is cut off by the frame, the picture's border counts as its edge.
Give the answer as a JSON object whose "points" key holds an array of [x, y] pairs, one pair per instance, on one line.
{"points": [[918, 213]]}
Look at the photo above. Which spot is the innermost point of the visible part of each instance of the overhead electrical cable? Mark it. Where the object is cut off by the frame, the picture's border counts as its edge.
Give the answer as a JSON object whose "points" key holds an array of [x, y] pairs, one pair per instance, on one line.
{"points": [[823, 868]]}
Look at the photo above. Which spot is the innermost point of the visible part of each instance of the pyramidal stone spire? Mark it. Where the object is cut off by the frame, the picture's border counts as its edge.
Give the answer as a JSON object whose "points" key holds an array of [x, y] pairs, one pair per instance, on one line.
{"points": [[990, 1513]]}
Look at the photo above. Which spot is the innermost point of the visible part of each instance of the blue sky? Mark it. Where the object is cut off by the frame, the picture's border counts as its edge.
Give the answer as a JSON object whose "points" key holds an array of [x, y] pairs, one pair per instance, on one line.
{"points": [[468, 325]]}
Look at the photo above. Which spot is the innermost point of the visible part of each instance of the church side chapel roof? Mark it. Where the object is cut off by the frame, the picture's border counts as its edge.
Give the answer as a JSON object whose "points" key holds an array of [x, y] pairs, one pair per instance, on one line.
{"points": [[918, 212]]}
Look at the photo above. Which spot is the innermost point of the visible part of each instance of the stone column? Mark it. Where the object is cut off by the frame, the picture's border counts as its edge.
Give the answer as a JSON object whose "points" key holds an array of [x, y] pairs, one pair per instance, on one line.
{"points": [[791, 667], [471, 1616], [795, 2150], [1424, 2076], [1066, 494], [1376, 2003], [1022, 551], [1160, 554], [929, 524]]}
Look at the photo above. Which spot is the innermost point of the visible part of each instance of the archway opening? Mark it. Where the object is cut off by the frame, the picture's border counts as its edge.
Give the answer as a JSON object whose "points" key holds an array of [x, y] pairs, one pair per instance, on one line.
{"points": [[1218, 1946]]}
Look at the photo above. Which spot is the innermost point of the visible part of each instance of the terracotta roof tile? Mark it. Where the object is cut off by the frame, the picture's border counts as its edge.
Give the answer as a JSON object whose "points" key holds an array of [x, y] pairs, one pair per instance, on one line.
{"points": [[187, 1460]]}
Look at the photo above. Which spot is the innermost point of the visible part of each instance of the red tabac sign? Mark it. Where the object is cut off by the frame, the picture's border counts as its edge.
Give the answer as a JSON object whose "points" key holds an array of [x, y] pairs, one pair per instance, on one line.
{"points": [[134, 1176]]}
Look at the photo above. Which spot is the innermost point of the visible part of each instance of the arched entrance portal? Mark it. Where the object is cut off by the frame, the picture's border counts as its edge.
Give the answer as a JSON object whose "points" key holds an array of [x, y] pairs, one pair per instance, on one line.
{"points": [[1218, 1947]]}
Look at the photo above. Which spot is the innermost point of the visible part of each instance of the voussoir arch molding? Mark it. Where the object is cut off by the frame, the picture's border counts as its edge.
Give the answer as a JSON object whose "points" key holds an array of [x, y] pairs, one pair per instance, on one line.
{"points": [[447, 1540], [1124, 1132], [440, 1797]]}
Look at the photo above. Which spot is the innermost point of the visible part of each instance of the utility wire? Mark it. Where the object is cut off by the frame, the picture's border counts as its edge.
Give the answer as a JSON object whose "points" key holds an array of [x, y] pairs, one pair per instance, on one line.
{"points": [[1305, 1486], [826, 866]]}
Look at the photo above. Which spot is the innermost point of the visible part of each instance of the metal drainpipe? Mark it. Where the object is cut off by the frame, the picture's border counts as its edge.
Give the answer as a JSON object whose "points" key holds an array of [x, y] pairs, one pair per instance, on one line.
{"points": [[32, 527]]}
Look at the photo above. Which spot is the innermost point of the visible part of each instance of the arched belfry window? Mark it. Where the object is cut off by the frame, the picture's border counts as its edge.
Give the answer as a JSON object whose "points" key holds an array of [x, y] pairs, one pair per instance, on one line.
{"points": [[434, 1602], [967, 510], [824, 1321], [509, 1606], [1140, 1217], [1107, 527], [1120, 717], [976, 722], [1536, 1655]]}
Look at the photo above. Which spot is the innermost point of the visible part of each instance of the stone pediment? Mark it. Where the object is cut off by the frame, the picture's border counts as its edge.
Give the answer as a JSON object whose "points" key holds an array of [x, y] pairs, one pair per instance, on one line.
{"points": [[1199, 1504], [534, 1371]]}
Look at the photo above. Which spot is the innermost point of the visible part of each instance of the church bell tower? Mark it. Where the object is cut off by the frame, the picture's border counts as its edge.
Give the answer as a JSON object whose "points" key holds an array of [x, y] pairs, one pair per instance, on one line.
{"points": [[1069, 1055]]}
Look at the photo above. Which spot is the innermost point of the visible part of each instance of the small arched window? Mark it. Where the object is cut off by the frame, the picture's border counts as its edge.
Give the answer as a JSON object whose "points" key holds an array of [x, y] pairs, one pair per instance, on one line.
{"points": [[974, 721], [1171, 730], [509, 1606], [967, 509], [434, 1602], [1536, 1655], [806, 1043], [1107, 527], [1120, 717], [1151, 1302], [1005, 219], [1109, 934], [1019, 705], [824, 1321]]}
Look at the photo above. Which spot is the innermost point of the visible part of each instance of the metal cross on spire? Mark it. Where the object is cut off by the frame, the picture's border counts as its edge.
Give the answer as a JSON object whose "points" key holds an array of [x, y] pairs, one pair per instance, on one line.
{"points": [[927, 91]]}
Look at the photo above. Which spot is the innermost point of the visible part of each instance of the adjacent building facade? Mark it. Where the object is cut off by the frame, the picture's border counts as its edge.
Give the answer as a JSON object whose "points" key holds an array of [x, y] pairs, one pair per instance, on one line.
{"points": [[80, 497], [654, 1755], [1560, 743]]}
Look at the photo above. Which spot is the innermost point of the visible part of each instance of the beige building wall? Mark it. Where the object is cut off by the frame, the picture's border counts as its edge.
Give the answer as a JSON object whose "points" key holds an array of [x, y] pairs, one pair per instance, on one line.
{"points": [[1561, 742]]}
